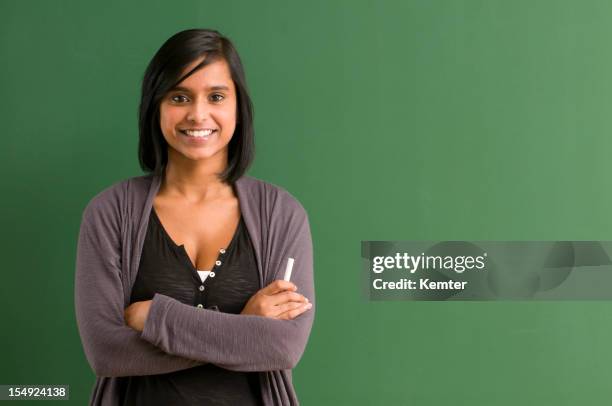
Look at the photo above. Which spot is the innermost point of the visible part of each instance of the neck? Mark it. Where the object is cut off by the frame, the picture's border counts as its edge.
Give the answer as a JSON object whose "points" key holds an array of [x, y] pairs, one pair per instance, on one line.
{"points": [[194, 181]]}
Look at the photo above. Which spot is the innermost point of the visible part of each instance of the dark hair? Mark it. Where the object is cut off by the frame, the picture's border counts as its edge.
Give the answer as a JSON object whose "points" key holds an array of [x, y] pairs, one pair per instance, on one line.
{"points": [[162, 74]]}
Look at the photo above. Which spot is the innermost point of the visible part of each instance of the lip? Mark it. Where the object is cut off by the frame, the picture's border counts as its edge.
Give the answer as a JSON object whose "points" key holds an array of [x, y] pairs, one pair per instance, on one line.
{"points": [[197, 129]]}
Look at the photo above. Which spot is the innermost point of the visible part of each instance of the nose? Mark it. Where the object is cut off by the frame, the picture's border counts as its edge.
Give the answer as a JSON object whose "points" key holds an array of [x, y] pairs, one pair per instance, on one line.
{"points": [[199, 111]]}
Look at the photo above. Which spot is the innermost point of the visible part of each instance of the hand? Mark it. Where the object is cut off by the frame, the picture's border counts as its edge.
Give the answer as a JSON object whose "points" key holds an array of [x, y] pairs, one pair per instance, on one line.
{"points": [[136, 314], [278, 300]]}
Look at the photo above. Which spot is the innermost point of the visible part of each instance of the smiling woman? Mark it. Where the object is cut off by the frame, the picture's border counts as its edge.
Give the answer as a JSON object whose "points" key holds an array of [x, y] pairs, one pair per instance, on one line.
{"points": [[208, 97], [196, 81], [177, 295]]}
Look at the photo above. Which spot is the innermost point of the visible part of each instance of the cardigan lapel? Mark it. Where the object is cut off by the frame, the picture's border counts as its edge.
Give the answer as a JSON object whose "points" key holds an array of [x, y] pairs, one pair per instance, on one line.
{"points": [[251, 204]]}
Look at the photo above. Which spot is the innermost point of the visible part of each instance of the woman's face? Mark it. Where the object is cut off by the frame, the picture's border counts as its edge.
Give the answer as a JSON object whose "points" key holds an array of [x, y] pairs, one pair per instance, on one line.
{"points": [[204, 101]]}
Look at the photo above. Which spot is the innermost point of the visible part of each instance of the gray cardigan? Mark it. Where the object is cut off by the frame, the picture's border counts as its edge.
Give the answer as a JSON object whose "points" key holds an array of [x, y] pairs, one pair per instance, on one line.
{"points": [[177, 336]]}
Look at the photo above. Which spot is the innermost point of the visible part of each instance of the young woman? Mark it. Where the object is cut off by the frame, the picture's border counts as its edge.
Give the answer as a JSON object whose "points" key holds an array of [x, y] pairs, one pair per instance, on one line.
{"points": [[179, 290]]}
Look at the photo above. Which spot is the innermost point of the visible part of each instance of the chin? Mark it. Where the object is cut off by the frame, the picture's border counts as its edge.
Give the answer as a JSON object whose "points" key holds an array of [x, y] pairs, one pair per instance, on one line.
{"points": [[198, 157], [203, 155]]}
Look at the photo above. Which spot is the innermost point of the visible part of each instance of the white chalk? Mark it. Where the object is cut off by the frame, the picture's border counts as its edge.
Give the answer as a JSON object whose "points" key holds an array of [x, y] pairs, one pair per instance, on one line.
{"points": [[289, 268]]}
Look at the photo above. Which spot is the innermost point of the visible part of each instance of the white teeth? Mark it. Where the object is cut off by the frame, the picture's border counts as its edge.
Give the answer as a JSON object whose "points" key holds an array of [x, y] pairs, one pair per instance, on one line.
{"points": [[198, 133]]}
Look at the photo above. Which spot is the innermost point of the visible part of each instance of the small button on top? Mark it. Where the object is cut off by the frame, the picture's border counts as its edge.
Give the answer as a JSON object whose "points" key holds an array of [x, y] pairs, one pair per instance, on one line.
{"points": [[201, 288], [222, 251], [218, 263], [212, 274], [200, 306]]}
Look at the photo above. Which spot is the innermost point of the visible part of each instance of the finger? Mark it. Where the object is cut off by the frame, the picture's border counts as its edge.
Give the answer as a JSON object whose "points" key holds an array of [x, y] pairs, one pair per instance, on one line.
{"points": [[293, 313], [282, 308], [277, 286], [287, 296]]}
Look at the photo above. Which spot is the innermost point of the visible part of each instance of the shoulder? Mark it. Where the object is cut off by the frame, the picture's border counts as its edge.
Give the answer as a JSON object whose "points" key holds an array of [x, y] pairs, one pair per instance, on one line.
{"points": [[272, 195], [112, 201]]}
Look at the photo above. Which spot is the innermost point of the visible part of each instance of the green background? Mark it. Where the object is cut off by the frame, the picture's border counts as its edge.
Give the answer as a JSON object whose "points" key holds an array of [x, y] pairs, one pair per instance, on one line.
{"points": [[407, 120]]}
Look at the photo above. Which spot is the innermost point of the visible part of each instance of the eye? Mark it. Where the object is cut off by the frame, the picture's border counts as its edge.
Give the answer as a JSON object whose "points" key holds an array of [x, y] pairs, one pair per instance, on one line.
{"points": [[221, 97], [175, 97]]}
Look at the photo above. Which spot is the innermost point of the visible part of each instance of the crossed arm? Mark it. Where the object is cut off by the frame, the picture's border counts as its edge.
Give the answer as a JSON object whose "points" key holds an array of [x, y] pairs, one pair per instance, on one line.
{"points": [[177, 336]]}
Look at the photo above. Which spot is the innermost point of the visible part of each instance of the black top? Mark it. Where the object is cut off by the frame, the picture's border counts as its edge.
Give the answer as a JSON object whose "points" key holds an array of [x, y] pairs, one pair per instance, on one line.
{"points": [[167, 269]]}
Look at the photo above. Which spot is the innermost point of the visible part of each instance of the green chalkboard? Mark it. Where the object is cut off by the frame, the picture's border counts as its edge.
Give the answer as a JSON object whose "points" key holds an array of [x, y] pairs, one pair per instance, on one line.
{"points": [[389, 120]]}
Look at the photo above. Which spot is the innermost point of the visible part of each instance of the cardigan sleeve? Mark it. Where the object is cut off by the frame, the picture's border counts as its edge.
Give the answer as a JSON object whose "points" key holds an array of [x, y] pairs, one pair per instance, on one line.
{"points": [[242, 342], [112, 348]]}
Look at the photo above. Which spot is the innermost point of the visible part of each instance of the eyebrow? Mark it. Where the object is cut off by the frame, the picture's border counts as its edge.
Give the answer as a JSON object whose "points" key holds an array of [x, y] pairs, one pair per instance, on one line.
{"points": [[184, 89]]}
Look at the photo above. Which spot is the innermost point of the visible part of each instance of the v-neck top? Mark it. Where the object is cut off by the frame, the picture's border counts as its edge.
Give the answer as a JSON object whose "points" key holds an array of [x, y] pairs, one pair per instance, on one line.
{"points": [[166, 268]]}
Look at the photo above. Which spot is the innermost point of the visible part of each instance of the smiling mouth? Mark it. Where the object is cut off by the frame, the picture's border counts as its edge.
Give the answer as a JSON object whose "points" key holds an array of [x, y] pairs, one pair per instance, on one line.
{"points": [[198, 133]]}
